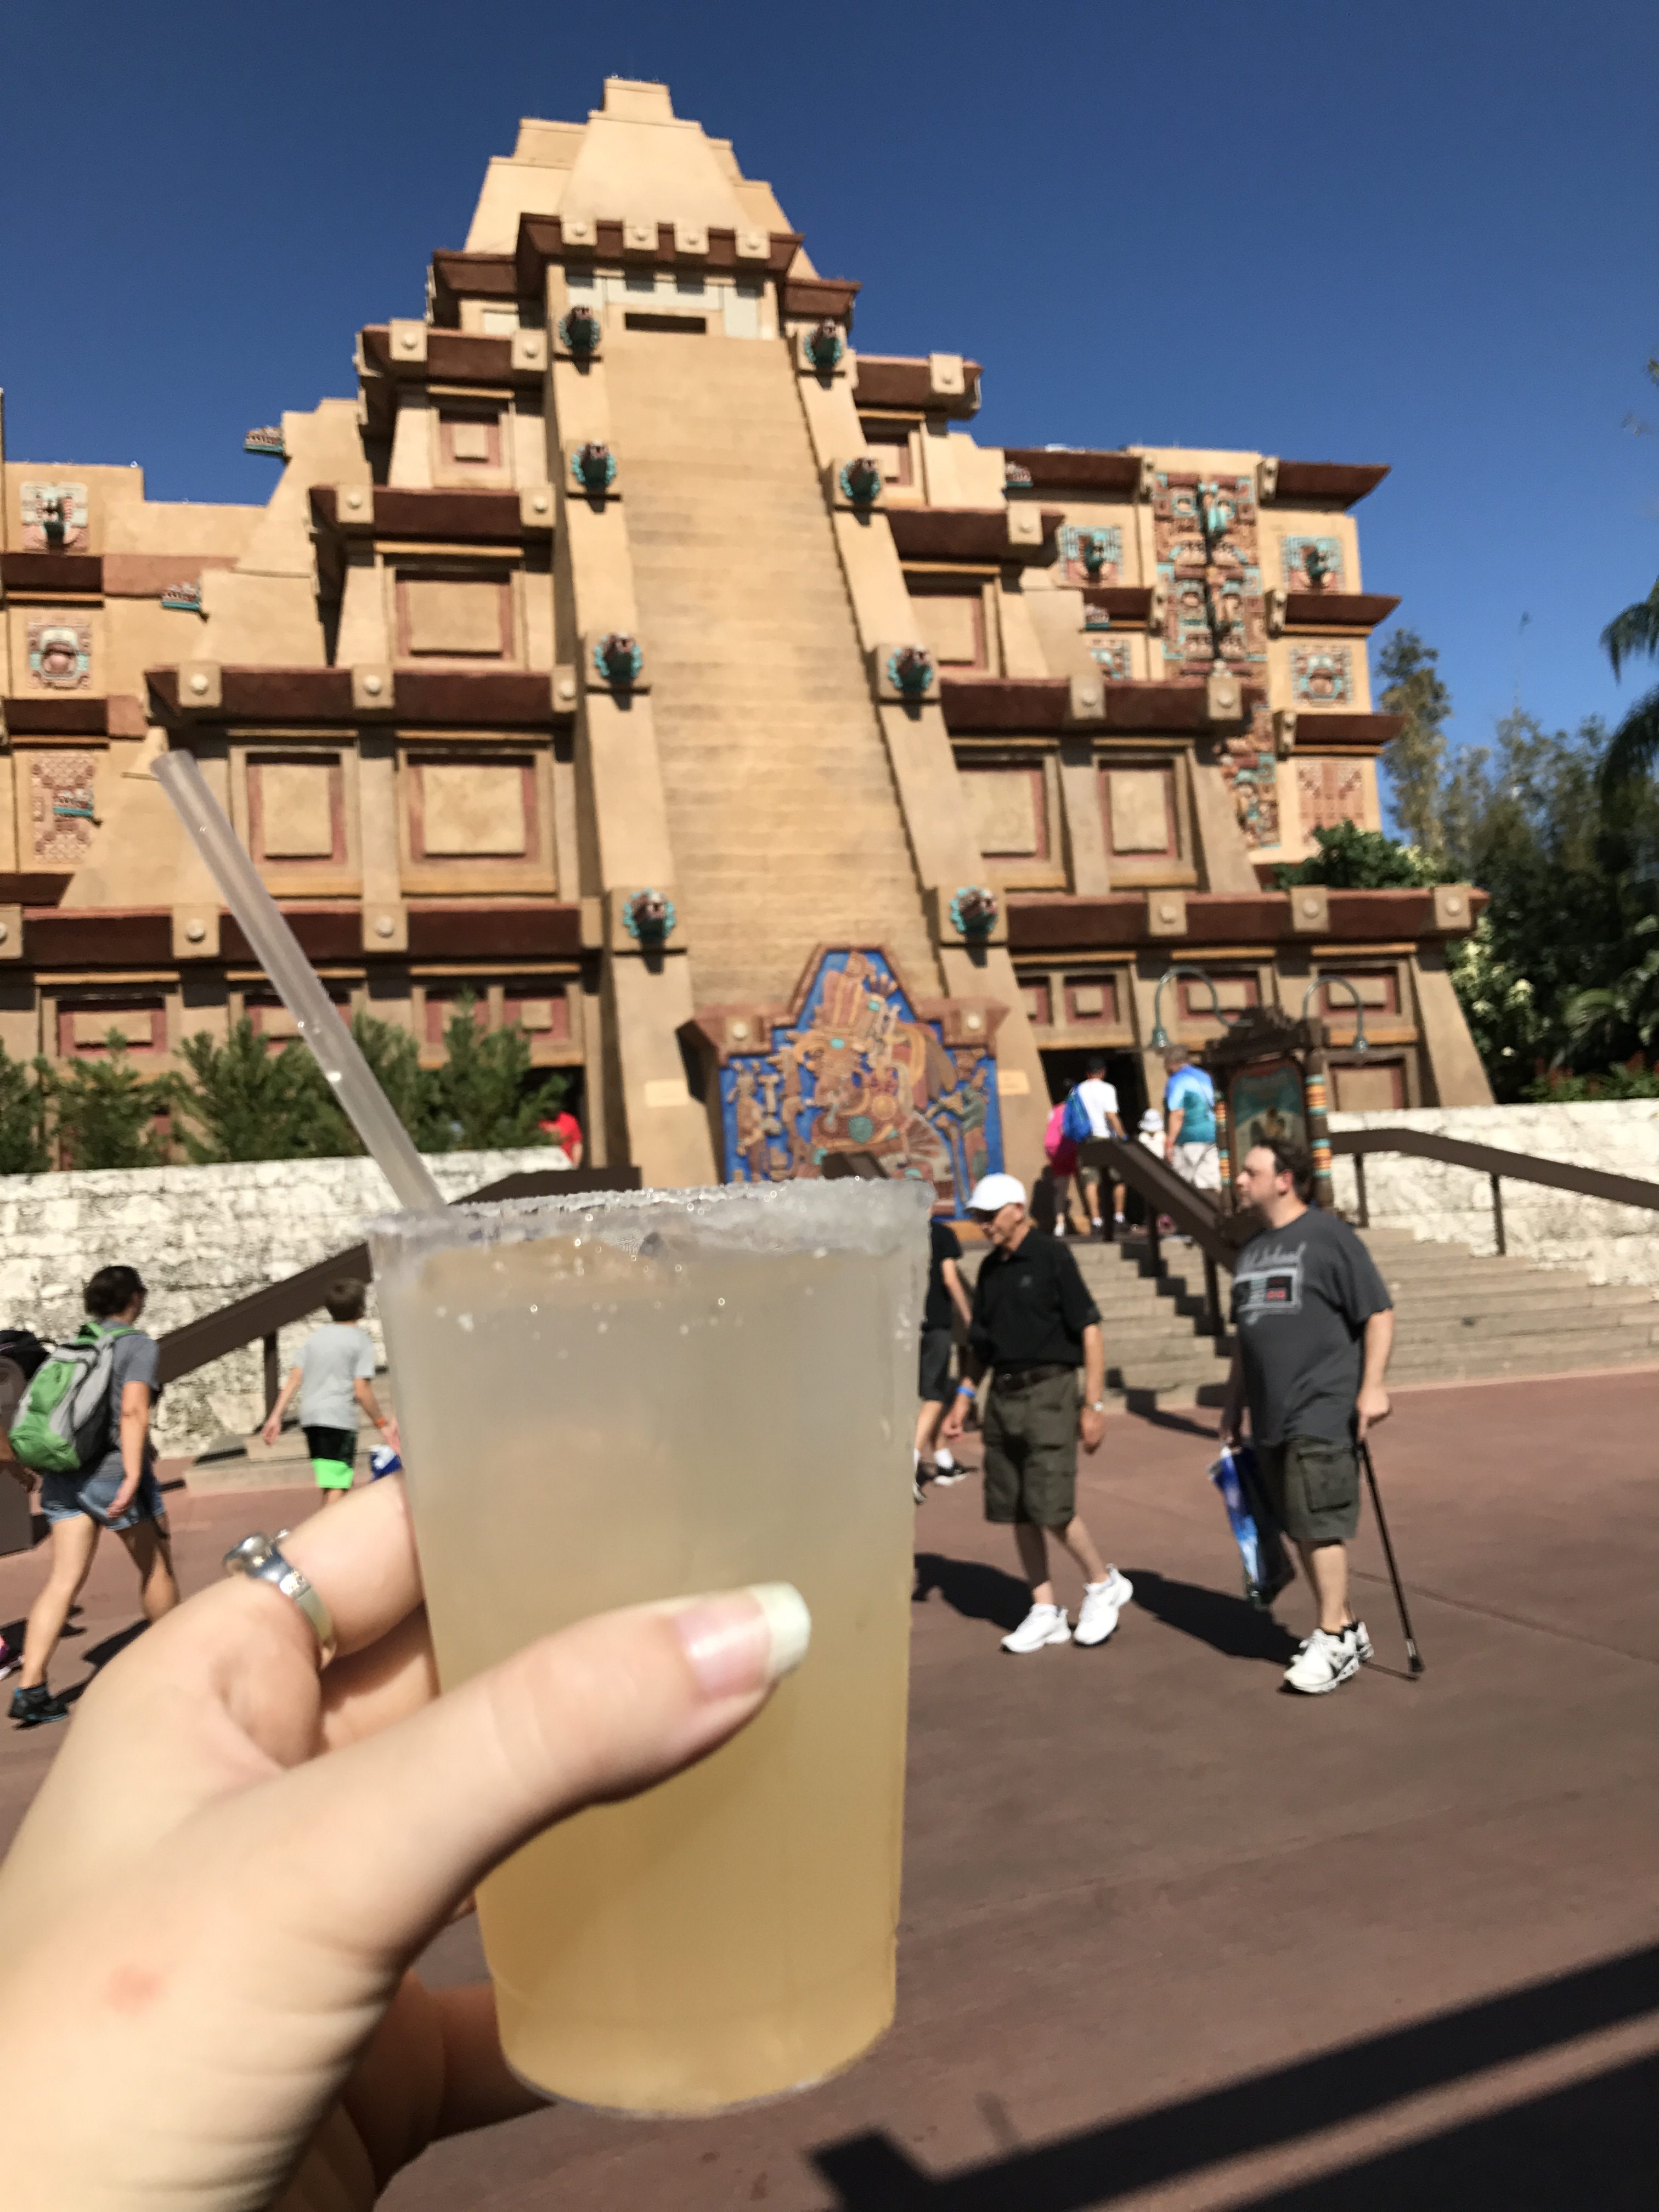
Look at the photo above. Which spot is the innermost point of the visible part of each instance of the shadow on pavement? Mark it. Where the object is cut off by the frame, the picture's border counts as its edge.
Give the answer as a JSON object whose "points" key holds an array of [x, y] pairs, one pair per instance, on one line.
{"points": [[975, 1591], [1591, 2143], [1227, 1625]]}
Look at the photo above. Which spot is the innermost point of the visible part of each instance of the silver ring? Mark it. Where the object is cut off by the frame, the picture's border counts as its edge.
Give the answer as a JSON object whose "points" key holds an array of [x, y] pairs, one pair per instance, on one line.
{"points": [[258, 1557]]}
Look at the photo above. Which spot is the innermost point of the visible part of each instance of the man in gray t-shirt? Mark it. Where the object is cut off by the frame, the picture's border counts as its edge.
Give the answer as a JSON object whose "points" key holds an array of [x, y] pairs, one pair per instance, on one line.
{"points": [[1314, 1326]]}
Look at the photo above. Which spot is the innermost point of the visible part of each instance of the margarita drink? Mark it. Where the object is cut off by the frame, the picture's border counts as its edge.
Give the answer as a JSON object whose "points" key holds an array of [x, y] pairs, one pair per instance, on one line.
{"points": [[606, 1401]]}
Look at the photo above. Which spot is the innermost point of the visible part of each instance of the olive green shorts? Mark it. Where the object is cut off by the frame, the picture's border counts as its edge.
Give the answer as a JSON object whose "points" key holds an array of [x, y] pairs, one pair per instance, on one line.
{"points": [[1313, 1488], [1030, 1453]]}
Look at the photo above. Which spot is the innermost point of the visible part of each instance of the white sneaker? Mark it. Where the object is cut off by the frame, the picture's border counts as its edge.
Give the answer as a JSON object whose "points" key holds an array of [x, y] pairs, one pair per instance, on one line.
{"points": [[1362, 1642], [1098, 1616], [1043, 1624], [1324, 1663], [1118, 1587]]}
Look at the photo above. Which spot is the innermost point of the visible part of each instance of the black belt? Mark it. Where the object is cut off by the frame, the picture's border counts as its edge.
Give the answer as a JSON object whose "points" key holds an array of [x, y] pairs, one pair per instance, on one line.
{"points": [[1011, 1382]]}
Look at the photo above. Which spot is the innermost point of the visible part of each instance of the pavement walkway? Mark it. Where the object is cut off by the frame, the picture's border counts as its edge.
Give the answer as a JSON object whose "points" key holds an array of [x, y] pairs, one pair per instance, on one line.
{"points": [[1174, 1939]]}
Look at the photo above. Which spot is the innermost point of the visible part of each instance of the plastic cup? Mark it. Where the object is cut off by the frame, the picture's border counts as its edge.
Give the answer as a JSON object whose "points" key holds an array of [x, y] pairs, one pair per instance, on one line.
{"points": [[608, 1400]]}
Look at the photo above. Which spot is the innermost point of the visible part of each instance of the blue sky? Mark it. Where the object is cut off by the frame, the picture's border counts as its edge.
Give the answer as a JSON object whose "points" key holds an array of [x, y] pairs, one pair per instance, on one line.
{"points": [[1420, 233]]}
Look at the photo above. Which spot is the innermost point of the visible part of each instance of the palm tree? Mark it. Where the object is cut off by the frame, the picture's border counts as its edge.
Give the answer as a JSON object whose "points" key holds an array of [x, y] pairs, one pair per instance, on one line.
{"points": [[1634, 748]]}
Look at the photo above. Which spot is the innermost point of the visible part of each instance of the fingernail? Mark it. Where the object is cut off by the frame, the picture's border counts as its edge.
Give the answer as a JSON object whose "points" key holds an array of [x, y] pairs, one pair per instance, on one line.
{"points": [[740, 1643]]}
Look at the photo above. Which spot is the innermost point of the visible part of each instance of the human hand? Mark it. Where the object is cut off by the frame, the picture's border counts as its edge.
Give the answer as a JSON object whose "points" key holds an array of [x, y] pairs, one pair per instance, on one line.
{"points": [[1231, 1426], [1091, 1427], [389, 1434], [955, 1420], [273, 1429], [242, 1856], [1373, 1405], [123, 1497]]}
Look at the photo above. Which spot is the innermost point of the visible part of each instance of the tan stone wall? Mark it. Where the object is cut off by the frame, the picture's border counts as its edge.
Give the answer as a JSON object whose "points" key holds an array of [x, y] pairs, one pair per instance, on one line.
{"points": [[200, 1237], [1553, 1227]]}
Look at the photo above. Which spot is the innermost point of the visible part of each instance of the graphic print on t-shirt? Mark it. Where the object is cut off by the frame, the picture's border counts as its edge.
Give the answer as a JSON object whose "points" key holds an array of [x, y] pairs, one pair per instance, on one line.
{"points": [[1271, 1284]]}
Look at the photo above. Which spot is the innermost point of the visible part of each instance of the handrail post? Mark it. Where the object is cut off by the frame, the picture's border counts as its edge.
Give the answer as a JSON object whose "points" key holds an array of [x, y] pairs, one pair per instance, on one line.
{"points": [[1359, 1186], [1213, 1296], [1498, 1237], [273, 1372], [1152, 1252]]}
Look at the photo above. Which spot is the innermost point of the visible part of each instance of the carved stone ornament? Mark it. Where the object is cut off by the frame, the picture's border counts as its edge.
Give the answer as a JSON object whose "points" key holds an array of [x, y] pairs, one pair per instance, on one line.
{"points": [[1098, 550], [618, 658], [825, 346], [579, 332], [182, 598], [910, 669], [60, 653], [649, 917], [267, 439], [974, 912], [594, 468], [54, 517], [860, 481]]}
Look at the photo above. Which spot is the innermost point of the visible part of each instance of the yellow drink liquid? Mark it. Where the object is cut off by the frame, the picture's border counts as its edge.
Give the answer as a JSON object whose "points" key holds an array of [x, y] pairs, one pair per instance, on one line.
{"points": [[595, 1416]]}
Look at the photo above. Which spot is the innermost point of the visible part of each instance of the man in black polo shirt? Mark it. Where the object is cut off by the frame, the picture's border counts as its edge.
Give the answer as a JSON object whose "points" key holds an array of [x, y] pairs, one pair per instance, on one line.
{"points": [[1034, 1326]]}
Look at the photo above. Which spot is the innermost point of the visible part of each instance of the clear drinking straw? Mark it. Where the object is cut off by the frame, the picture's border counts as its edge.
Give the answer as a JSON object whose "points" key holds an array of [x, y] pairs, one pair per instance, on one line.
{"points": [[277, 951]]}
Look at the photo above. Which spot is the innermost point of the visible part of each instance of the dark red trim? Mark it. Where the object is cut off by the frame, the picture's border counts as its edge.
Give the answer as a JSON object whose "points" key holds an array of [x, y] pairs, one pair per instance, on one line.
{"points": [[68, 716], [546, 931], [1047, 922], [486, 697], [1128, 603], [820, 296], [1315, 728], [451, 357], [52, 572], [1031, 706], [965, 533], [1327, 483], [886, 380], [1337, 610], [329, 932], [99, 937], [1101, 473], [456, 276], [451, 512], [541, 240]]}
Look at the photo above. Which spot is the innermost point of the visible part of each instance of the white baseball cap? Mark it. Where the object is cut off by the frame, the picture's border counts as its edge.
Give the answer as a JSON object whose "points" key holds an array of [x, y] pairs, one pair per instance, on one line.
{"points": [[992, 1192]]}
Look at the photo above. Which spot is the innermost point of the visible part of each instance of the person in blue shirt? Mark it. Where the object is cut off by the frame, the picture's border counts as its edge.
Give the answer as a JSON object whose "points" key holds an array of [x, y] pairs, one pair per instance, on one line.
{"points": [[1189, 1122]]}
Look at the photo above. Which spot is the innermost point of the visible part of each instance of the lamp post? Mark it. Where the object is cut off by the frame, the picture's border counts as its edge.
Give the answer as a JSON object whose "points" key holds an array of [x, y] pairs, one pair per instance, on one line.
{"points": [[1160, 1038]]}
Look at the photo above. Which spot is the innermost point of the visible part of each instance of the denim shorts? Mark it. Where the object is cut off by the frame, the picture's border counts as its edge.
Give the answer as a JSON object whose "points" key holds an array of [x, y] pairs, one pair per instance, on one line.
{"points": [[64, 1496]]}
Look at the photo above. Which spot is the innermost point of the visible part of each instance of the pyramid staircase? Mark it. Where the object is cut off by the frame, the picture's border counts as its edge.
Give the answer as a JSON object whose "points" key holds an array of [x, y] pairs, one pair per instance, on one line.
{"points": [[781, 807]]}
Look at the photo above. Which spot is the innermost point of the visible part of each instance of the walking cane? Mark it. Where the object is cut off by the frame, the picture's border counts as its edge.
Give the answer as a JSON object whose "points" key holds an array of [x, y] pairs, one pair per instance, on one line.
{"points": [[1413, 1656]]}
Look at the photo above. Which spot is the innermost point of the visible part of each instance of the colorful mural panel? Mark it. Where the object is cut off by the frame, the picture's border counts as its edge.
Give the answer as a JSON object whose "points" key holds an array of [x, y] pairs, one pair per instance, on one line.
{"points": [[856, 1071], [1203, 533]]}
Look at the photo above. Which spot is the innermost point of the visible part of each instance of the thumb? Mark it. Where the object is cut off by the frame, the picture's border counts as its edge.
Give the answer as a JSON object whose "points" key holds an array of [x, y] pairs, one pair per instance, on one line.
{"points": [[603, 1709]]}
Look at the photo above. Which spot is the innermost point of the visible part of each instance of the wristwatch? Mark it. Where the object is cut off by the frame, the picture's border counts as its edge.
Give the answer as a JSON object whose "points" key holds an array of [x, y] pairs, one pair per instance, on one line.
{"points": [[1095, 1405]]}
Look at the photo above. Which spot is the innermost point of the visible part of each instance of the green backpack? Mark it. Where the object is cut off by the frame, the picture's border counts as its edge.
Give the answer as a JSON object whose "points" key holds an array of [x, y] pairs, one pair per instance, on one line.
{"points": [[63, 1422]]}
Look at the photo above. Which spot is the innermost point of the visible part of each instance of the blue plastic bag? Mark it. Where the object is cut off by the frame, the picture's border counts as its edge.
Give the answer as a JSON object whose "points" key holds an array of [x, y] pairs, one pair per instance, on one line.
{"points": [[383, 1460], [1267, 1570]]}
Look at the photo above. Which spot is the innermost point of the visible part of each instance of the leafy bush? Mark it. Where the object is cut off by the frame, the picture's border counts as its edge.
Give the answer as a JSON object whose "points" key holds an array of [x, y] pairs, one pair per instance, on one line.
{"points": [[1350, 858], [104, 1112]]}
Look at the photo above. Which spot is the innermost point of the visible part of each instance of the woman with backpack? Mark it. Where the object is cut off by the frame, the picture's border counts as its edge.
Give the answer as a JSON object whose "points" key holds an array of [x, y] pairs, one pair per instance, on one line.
{"points": [[112, 1483]]}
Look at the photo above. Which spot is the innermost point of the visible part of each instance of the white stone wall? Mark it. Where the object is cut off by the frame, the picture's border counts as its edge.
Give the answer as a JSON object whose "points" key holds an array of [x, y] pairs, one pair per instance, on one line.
{"points": [[201, 1238], [1553, 1227]]}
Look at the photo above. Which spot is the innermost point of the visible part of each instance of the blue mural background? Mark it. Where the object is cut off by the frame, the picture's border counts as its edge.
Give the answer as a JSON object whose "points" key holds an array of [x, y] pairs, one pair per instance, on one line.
{"points": [[857, 1071]]}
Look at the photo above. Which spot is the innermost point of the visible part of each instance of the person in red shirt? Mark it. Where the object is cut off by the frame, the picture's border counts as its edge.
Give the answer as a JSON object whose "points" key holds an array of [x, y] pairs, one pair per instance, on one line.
{"points": [[566, 1132]]}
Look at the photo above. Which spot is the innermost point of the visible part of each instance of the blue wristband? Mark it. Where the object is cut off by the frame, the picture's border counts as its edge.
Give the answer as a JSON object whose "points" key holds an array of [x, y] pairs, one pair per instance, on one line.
{"points": [[966, 1389]]}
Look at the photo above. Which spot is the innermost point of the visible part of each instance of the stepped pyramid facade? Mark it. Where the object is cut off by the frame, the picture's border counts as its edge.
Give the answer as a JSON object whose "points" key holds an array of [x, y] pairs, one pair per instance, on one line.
{"points": [[634, 653]]}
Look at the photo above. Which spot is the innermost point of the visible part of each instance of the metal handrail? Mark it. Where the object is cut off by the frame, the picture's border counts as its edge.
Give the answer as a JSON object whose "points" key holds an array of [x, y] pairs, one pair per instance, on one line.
{"points": [[1125, 1160], [1490, 1160], [262, 1313]]}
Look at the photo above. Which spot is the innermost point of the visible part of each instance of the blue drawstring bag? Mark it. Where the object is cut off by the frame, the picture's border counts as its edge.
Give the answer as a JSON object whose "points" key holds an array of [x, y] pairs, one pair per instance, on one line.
{"points": [[383, 1460], [1267, 1570]]}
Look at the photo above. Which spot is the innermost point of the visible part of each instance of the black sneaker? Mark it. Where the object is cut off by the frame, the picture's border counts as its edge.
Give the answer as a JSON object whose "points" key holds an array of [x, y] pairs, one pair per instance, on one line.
{"points": [[33, 1708]]}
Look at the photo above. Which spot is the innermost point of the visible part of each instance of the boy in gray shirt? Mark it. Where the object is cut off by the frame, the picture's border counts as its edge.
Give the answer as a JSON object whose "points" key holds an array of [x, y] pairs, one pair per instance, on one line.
{"points": [[334, 1381]]}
